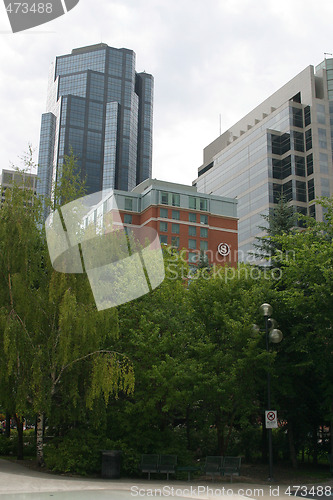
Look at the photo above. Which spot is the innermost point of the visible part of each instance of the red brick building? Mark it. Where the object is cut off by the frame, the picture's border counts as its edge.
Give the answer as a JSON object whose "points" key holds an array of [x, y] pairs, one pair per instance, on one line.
{"points": [[184, 218]]}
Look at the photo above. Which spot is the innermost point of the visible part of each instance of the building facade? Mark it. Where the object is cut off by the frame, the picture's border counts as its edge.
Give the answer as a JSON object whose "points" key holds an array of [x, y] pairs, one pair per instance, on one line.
{"points": [[101, 109], [183, 217], [23, 180], [282, 147]]}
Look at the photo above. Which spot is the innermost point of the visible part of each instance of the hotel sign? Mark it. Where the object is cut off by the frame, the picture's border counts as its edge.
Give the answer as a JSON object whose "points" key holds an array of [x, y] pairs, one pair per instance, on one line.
{"points": [[223, 249]]}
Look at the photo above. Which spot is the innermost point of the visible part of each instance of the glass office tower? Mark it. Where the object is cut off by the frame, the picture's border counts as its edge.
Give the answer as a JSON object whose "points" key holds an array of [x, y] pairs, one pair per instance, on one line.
{"points": [[102, 110], [282, 147]]}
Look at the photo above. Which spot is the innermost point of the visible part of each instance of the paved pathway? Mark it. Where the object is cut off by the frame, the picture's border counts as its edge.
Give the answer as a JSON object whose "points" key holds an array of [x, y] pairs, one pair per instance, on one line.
{"points": [[20, 483]]}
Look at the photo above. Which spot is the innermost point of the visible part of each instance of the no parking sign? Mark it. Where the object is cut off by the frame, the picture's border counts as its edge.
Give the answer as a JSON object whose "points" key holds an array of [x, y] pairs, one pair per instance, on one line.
{"points": [[271, 419]]}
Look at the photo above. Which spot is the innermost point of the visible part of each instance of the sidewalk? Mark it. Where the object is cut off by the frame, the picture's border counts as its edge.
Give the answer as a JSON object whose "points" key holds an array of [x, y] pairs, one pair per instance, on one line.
{"points": [[18, 483]]}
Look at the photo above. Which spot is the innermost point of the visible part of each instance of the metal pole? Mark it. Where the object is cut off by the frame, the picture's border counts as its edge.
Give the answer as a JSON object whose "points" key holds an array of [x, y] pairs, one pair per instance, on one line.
{"points": [[270, 444]]}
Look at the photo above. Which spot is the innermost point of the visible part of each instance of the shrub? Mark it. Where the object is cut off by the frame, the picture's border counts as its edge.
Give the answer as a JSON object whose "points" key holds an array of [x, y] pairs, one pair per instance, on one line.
{"points": [[78, 452], [8, 446]]}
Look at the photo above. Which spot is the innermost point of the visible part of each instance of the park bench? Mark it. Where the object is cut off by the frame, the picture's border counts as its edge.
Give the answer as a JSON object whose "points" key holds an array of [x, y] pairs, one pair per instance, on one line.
{"points": [[213, 466], [231, 466], [149, 463], [164, 464], [167, 464]]}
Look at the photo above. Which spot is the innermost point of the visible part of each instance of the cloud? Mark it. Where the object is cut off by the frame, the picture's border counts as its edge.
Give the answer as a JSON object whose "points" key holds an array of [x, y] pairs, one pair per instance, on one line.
{"points": [[208, 58]]}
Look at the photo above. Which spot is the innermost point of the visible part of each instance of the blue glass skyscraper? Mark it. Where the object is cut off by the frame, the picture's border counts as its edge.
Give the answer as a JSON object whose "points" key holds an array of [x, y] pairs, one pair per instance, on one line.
{"points": [[99, 107]]}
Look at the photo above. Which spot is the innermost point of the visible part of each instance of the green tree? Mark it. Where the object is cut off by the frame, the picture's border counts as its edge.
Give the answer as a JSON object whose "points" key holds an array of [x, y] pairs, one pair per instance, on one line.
{"points": [[53, 340], [229, 357], [304, 306], [280, 220], [196, 362]]}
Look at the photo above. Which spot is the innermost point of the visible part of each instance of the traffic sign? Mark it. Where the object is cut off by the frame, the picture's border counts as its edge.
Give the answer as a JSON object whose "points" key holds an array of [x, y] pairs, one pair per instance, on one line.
{"points": [[271, 419]]}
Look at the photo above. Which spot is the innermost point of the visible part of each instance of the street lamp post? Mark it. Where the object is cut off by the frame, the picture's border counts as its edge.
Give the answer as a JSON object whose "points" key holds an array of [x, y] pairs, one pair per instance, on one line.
{"points": [[272, 334]]}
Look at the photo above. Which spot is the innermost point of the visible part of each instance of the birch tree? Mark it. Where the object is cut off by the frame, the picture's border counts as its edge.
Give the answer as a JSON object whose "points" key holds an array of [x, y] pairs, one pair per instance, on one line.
{"points": [[53, 341]]}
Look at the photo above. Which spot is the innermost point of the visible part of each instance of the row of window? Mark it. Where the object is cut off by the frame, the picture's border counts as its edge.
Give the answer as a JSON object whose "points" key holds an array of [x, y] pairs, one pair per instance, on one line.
{"points": [[175, 228], [175, 214], [192, 244], [297, 192], [192, 230], [173, 199]]}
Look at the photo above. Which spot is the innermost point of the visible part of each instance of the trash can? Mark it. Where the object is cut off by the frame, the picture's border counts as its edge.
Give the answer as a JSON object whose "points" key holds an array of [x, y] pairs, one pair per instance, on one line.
{"points": [[111, 463]]}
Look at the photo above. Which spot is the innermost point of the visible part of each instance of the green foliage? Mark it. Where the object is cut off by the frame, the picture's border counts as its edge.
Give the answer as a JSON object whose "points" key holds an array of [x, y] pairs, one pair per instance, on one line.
{"points": [[8, 446], [70, 185], [79, 452], [280, 220], [56, 348]]}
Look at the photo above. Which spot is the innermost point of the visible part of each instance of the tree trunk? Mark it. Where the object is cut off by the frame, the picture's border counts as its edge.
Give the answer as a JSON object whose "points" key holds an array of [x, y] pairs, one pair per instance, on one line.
{"points": [[188, 428], [331, 431], [220, 436], [291, 442], [315, 446], [40, 439], [264, 447], [7, 430], [231, 425], [19, 425]]}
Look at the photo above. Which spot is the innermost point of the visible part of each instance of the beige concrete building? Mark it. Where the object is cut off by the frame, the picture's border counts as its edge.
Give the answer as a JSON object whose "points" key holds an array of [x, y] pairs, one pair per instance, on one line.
{"points": [[22, 179], [283, 146]]}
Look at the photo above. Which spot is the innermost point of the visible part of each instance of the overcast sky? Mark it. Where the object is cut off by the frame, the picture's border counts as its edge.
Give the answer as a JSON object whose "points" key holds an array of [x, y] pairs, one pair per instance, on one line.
{"points": [[208, 58]]}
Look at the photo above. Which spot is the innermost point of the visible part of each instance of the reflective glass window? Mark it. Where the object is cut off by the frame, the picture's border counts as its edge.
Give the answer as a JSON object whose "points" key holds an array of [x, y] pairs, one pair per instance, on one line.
{"points": [[308, 139], [325, 186], [322, 138], [300, 191], [297, 114], [307, 115], [311, 190], [298, 140], [300, 166], [128, 204], [323, 163], [312, 211], [175, 200], [203, 245], [192, 202], [309, 164], [203, 204], [321, 113], [164, 198], [175, 228]]}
